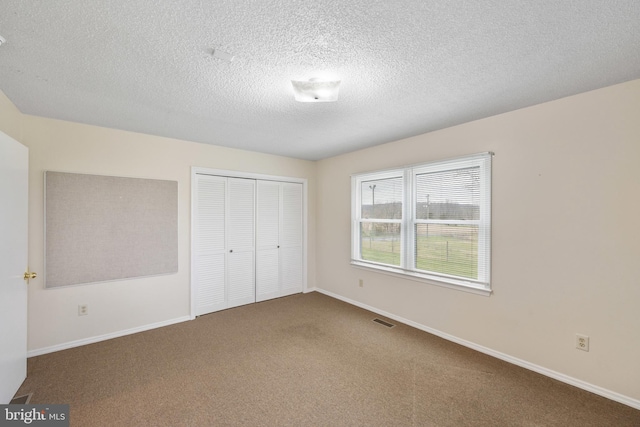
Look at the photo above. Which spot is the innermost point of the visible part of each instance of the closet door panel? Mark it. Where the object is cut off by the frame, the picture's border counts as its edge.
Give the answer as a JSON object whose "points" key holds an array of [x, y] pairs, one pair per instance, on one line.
{"points": [[248, 241], [291, 262], [267, 240], [241, 242], [209, 244]]}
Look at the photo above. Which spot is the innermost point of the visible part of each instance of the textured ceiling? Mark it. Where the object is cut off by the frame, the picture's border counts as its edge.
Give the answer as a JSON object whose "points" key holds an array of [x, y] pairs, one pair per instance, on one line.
{"points": [[407, 67]]}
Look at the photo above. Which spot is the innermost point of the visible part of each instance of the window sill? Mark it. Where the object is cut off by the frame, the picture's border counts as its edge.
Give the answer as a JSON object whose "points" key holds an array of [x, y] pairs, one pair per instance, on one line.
{"points": [[459, 285]]}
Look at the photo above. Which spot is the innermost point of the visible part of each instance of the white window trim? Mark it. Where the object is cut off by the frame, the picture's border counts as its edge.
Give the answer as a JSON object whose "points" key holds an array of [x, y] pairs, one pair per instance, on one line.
{"points": [[409, 173]]}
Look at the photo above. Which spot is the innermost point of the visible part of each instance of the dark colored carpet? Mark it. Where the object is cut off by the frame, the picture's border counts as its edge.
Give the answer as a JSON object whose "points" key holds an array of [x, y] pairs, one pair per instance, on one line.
{"points": [[304, 360]]}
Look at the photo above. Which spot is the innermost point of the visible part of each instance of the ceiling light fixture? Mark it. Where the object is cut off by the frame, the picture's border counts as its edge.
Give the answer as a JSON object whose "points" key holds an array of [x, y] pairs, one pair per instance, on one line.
{"points": [[2, 41], [315, 90]]}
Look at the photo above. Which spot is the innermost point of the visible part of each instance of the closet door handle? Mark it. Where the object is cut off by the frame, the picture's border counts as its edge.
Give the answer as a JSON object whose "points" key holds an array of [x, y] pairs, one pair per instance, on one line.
{"points": [[278, 246], [230, 250]]}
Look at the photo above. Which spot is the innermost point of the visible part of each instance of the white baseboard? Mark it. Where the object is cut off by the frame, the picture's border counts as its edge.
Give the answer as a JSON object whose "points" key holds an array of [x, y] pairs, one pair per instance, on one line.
{"points": [[626, 400], [306, 291], [91, 340]]}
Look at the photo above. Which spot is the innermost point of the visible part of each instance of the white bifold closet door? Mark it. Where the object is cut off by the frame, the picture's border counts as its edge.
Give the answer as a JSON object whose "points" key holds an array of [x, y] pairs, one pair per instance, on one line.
{"points": [[279, 238], [241, 246], [224, 243]]}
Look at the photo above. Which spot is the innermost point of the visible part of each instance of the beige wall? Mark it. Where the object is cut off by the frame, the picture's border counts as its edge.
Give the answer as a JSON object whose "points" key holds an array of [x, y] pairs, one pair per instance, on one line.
{"points": [[10, 118], [124, 305], [566, 249]]}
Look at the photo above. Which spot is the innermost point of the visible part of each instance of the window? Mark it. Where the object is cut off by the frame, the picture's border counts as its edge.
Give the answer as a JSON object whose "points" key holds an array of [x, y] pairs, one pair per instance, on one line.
{"points": [[431, 221]]}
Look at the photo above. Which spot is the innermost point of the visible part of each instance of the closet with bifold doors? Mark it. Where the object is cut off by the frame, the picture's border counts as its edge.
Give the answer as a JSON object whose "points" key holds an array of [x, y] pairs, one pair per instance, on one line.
{"points": [[248, 240]]}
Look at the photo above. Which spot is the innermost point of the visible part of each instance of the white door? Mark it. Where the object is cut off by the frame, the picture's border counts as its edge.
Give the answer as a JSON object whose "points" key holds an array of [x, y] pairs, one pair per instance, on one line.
{"points": [[279, 251], [224, 243], [14, 175], [248, 239], [291, 240], [241, 246], [209, 249], [268, 240]]}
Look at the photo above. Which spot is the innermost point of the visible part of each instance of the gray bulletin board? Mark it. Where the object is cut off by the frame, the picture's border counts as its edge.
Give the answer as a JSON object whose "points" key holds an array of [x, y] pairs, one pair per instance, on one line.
{"points": [[103, 228]]}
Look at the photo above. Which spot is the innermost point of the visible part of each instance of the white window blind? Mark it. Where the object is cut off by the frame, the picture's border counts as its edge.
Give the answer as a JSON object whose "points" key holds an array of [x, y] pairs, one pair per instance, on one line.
{"points": [[430, 221], [381, 220]]}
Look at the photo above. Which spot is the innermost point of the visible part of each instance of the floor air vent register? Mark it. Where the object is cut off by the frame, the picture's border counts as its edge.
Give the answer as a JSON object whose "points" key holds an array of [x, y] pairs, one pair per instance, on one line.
{"points": [[383, 323]]}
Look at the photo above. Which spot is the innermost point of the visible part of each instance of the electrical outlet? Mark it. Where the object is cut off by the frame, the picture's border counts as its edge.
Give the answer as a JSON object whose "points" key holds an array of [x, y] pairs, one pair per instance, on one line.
{"points": [[582, 342], [361, 283], [83, 310]]}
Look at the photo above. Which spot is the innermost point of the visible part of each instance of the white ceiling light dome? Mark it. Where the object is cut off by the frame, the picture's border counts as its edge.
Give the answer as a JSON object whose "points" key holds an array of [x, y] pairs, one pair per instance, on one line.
{"points": [[316, 90]]}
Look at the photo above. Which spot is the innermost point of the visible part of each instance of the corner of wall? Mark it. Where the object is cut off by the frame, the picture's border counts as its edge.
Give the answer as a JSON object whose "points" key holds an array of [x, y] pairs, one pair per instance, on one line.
{"points": [[10, 118]]}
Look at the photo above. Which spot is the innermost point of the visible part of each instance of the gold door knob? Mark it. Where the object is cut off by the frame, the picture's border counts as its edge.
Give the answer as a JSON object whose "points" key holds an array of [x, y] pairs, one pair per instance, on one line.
{"points": [[28, 275]]}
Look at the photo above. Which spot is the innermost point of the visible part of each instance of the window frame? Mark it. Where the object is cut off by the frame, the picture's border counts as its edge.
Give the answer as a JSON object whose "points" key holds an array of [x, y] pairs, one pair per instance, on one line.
{"points": [[408, 268]]}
